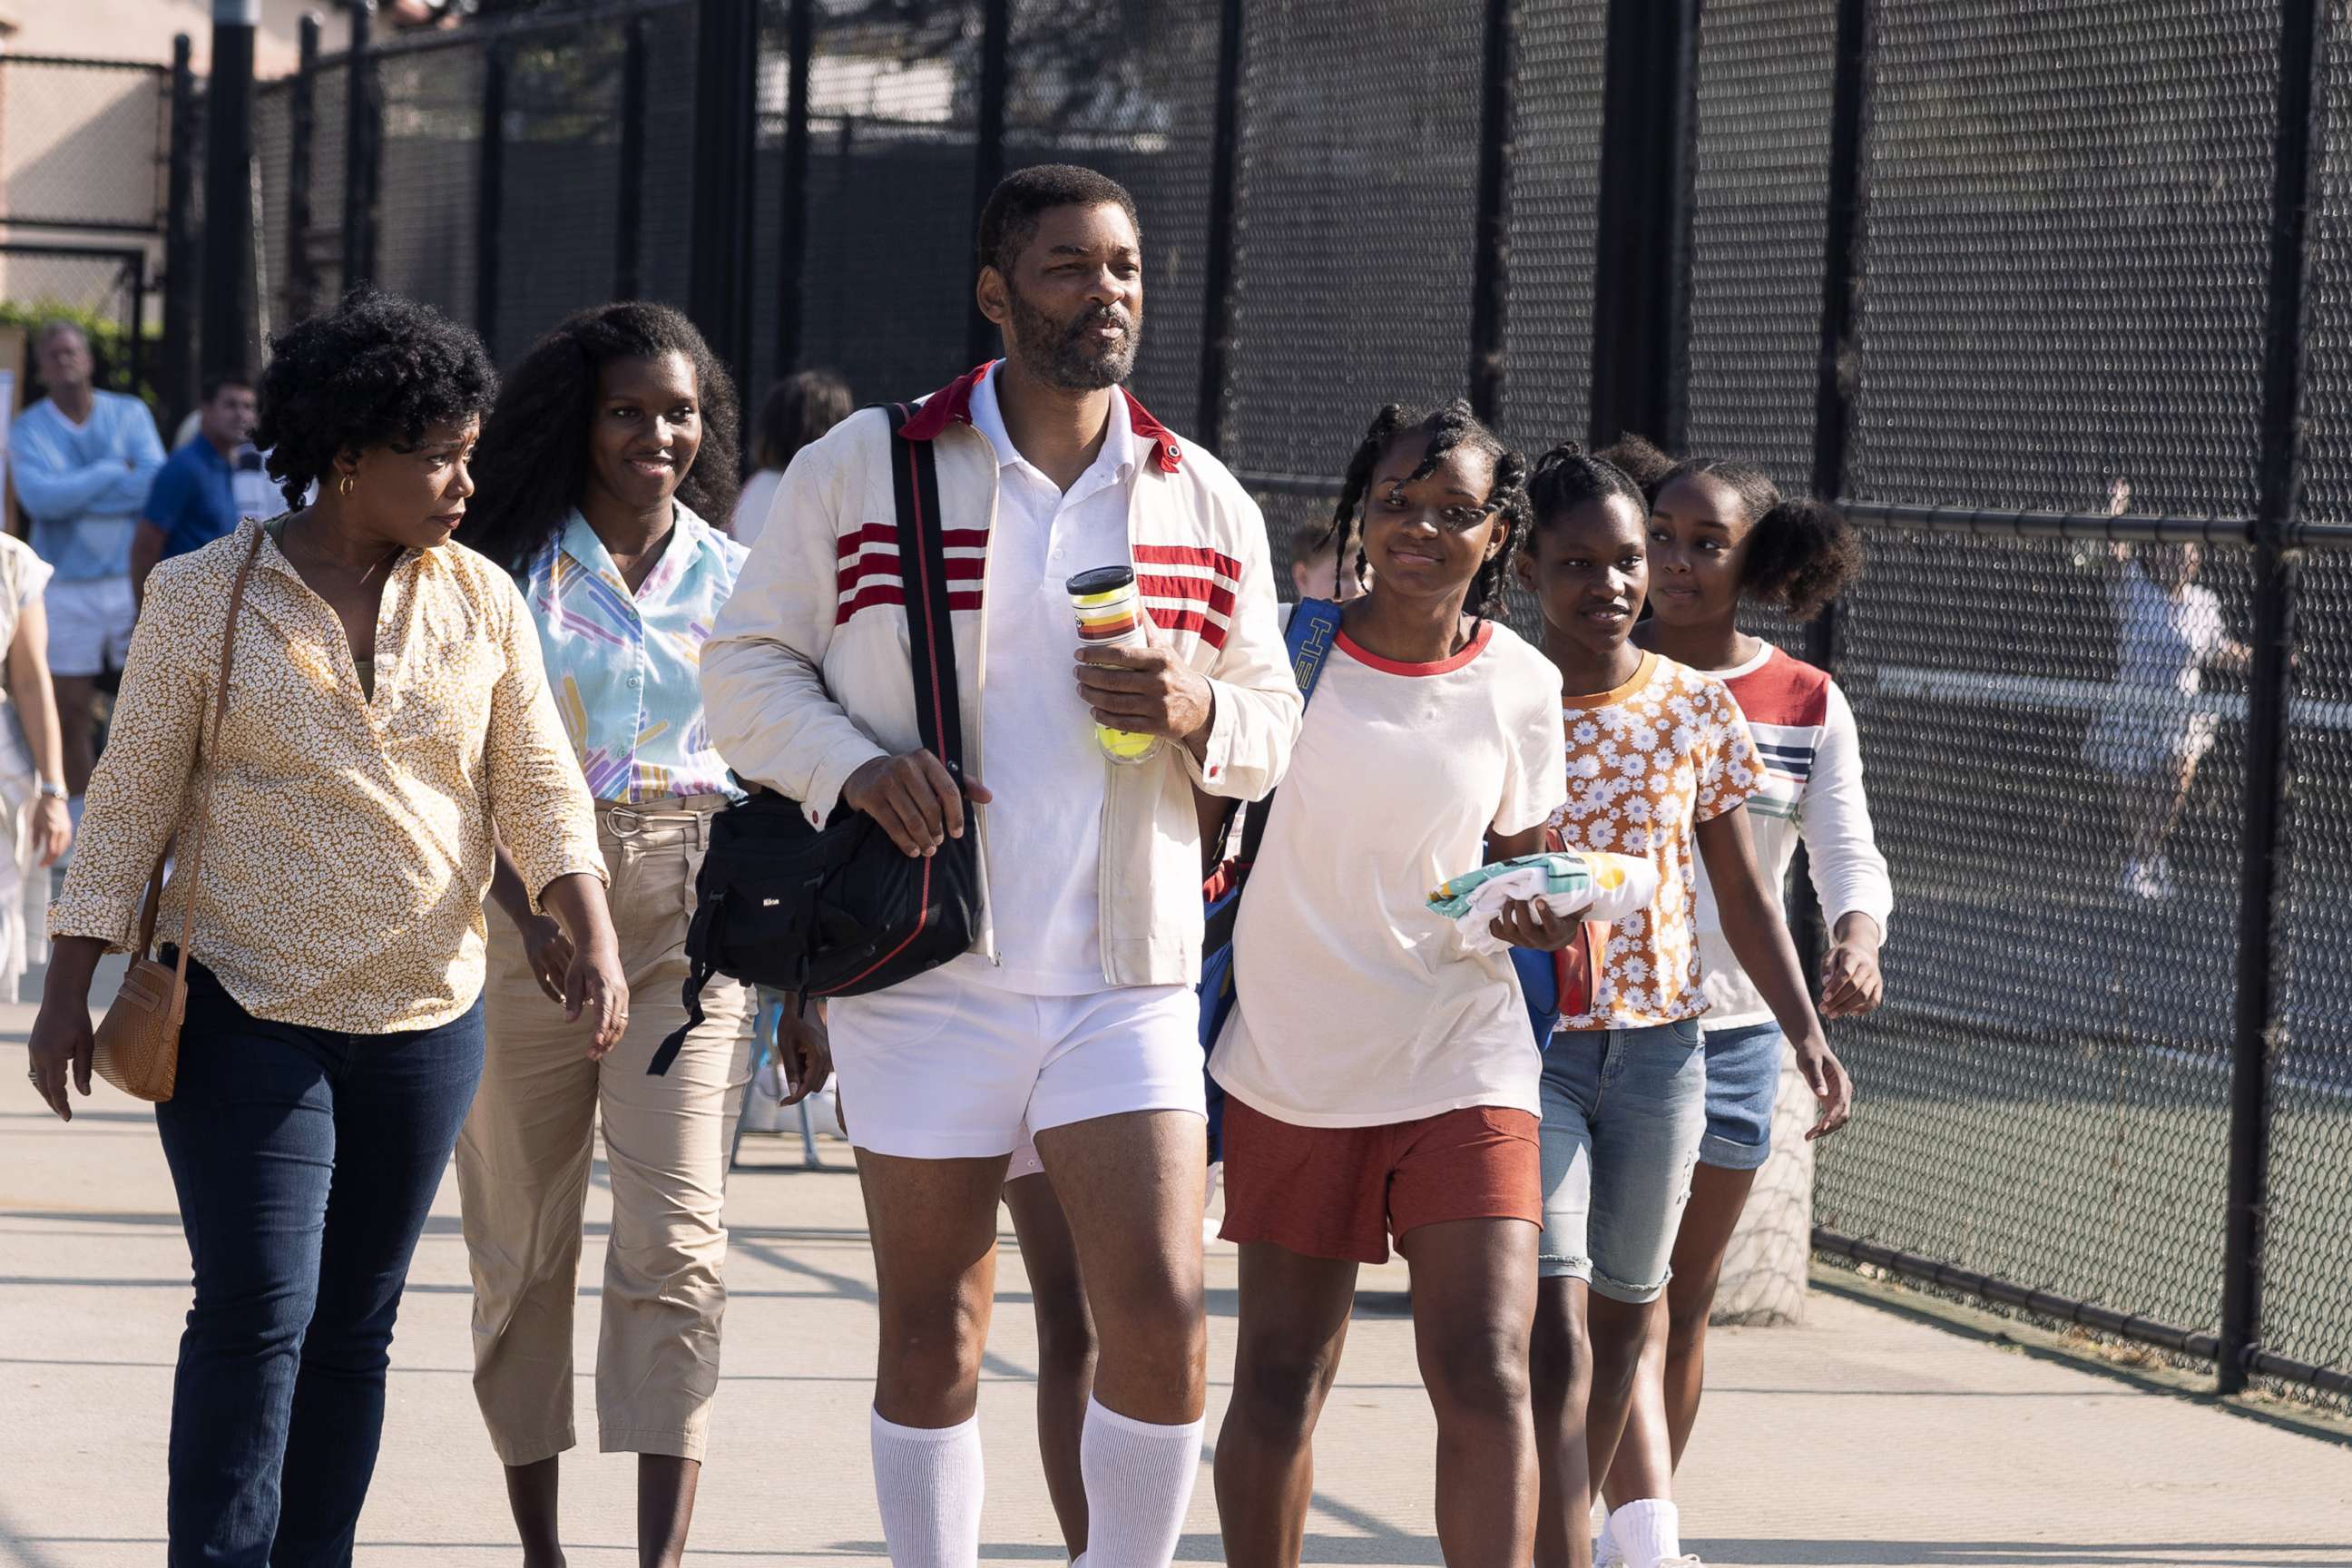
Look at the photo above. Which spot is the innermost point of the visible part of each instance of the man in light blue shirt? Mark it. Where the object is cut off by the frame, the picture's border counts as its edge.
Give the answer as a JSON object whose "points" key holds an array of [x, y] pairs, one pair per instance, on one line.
{"points": [[82, 461]]}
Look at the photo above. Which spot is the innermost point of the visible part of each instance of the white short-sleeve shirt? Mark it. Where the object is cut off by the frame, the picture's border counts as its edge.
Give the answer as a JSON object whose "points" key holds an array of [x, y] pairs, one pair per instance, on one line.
{"points": [[1043, 767], [1357, 1005]]}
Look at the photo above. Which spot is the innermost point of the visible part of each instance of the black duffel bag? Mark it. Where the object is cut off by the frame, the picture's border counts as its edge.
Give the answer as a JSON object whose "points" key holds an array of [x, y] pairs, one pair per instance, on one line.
{"points": [[842, 911]]}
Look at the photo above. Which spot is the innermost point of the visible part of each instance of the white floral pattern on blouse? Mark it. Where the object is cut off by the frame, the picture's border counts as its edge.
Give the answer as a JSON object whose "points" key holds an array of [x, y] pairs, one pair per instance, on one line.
{"points": [[1646, 765], [352, 840]]}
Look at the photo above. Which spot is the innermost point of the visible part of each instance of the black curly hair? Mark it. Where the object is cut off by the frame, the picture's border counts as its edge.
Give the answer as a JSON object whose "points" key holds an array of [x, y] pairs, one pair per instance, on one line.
{"points": [[1639, 459], [378, 370], [1568, 477], [533, 464], [1801, 554], [1449, 425]]}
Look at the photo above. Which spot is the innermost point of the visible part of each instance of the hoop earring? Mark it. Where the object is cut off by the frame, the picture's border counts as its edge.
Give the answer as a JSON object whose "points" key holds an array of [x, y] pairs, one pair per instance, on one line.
{"points": [[345, 487]]}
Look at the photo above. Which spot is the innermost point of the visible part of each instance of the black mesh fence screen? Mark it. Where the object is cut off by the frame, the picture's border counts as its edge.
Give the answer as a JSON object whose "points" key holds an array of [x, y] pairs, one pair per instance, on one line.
{"points": [[431, 161], [1556, 180], [2308, 1256], [2065, 198], [2050, 1072], [1759, 219], [84, 142], [2063, 305], [561, 173], [894, 100], [1354, 232]]}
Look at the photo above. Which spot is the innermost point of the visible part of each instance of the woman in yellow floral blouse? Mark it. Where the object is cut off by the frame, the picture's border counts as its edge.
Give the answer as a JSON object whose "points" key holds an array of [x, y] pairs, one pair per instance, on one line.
{"points": [[388, 724]]}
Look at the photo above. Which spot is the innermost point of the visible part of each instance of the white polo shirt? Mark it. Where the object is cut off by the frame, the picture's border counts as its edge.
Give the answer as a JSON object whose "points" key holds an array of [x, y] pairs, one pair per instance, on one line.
{"points": [[1042, 763]]}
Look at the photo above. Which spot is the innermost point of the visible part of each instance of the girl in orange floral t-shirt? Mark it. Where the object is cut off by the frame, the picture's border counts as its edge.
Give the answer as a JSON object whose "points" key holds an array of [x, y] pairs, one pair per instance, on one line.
{"points": [[1659, 764]]}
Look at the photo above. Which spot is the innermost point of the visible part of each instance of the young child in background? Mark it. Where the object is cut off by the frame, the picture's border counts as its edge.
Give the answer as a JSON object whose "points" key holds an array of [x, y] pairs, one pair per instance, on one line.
{"points": [[1659, 764]]}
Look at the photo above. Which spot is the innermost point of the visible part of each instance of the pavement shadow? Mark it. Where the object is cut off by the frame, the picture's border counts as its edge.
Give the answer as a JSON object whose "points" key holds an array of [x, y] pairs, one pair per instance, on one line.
{"points": [[1753, 1554], [1413, 1551]]}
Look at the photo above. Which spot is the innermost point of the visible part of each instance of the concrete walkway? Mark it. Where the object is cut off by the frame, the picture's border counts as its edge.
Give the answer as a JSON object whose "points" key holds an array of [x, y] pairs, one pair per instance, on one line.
{"points": [[1865, 1437]]}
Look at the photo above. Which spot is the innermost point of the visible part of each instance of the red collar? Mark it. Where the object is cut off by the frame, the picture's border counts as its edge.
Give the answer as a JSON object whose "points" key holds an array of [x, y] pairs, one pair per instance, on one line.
{"points": [[953, 402]]}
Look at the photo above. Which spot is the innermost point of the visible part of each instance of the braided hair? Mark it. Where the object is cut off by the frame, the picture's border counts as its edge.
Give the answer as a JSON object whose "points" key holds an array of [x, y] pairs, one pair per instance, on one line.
{"points": [[1568, 477], [1448, 427], [1802, 552]]}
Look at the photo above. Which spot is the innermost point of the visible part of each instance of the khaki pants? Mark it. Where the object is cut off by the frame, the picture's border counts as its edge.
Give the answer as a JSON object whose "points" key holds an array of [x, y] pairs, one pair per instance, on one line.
{"points": [[523, 1169]]}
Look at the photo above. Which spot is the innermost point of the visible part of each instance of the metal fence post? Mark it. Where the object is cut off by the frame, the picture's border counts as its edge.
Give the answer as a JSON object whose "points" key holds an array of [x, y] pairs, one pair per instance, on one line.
{"points": [[988, 149], [302, 127], [490, 192], [1490, 280], [628, 225], [362, 125], [1217, 274], [226, 310], [1641, 284], [177, 383], [2268, 773], [792, 247], [726, 125]]}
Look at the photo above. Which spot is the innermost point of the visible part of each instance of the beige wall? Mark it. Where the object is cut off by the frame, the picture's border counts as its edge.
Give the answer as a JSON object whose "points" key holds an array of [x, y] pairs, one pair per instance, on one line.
{"points": [[142, 29]]}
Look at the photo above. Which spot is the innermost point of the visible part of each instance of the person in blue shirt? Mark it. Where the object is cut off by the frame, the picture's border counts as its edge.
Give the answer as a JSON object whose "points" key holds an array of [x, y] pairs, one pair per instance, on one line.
{"points": [[83, 461], [208, 487]]}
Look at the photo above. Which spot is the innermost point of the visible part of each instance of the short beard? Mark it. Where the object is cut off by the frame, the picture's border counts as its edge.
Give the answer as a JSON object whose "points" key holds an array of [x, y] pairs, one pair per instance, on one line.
{"points": [[1060, 356]]}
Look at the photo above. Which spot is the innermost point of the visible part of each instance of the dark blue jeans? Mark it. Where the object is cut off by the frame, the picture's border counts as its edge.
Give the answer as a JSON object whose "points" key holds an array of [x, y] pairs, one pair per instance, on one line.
{"points": [[306, 1161]]}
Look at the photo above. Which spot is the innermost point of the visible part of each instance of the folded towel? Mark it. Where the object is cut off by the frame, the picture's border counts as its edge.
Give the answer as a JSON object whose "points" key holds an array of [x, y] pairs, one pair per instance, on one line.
{"points": [[1594, 886]]}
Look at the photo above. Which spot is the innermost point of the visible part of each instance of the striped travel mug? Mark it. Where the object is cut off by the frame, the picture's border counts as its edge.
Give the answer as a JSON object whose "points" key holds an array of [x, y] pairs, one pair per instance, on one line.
{"points": [[1110, 615]]}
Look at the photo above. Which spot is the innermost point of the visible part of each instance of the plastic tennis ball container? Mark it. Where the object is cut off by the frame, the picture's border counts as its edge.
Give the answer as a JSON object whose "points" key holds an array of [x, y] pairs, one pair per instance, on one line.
{"points": [[1111, 615]]}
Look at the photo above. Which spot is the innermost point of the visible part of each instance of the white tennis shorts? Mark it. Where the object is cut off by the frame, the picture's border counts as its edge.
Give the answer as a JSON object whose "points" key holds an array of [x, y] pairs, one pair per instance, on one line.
{"points": [[946, 1068], [89, 624]]}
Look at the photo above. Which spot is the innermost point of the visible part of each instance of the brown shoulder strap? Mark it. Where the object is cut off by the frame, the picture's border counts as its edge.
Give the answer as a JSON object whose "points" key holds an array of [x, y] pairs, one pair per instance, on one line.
{"points": [[195, 857]]}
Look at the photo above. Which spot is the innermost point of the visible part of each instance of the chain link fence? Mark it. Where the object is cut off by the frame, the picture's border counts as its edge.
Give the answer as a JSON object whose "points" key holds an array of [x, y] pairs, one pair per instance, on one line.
{"points": [[83, 143], [1952, 258]]}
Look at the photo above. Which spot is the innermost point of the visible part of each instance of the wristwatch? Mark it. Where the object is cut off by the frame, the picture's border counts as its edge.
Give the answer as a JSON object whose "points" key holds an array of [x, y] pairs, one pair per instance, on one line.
{"points": [[48, 790]]}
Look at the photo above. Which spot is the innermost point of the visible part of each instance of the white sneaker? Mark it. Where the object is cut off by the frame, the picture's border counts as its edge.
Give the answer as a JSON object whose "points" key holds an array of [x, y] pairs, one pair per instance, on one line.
{"points": [[1676, 1563]]}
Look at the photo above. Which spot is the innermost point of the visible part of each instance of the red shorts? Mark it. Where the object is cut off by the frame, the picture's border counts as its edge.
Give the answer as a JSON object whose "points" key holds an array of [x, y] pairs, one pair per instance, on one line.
{"points": [[1342, 1192]]}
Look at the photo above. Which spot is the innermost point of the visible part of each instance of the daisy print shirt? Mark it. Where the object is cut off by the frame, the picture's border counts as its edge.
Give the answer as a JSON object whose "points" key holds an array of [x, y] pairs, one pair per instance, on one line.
{"points": [[626, 668], [1646, 765]]}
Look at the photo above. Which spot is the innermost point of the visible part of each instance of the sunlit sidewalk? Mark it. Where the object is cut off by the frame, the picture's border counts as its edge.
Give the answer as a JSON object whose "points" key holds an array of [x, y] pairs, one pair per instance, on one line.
{"points": [[1865, 1437]]}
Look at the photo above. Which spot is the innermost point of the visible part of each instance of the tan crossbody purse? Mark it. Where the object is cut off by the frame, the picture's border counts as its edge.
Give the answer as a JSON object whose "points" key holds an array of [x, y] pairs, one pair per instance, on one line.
{"points": [[138, 1046]]}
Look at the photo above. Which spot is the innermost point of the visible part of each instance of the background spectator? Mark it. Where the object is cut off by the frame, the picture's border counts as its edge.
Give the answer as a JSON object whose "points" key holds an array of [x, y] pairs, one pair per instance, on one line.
{"points": [[83, 461], [800, 408]]}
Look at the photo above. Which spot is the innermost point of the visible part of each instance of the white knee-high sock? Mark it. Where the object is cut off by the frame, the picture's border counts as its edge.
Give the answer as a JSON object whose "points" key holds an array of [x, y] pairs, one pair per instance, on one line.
{"points": [[1648, 1531], [1138, 1488], [928, 1483]]}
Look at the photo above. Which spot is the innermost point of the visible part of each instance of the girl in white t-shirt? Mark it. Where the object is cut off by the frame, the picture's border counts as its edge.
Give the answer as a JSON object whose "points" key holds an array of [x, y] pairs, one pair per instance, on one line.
{"points": [[1379, 1076]]}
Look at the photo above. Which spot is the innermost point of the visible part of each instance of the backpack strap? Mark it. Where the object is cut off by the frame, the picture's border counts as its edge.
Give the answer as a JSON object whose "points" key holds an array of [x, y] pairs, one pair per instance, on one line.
{"points": [[930, 645], [1313, 627]]}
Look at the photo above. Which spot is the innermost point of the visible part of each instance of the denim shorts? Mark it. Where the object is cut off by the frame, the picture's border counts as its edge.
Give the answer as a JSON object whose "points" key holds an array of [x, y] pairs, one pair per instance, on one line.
{"points": [[1743, 1081], [1623, 1111]]}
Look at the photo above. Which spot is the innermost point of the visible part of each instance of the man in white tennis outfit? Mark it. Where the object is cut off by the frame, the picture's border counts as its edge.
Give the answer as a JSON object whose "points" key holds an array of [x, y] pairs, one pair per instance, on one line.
{"points": [[1075, 1011]]}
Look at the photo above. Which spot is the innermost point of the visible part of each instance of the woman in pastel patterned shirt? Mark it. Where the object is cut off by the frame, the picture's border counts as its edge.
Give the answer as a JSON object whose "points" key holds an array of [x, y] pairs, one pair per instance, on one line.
{"points": [[613, 441], [387, 724]]}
